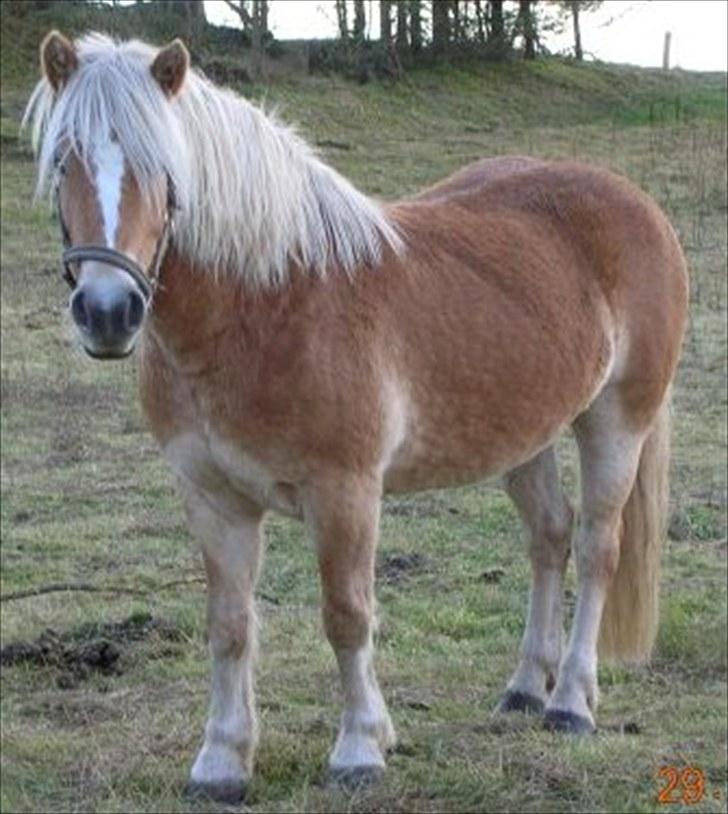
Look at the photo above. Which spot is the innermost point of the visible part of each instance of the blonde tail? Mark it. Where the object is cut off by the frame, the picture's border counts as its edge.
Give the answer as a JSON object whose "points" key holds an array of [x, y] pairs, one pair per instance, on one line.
{"points": [[629, 621]]}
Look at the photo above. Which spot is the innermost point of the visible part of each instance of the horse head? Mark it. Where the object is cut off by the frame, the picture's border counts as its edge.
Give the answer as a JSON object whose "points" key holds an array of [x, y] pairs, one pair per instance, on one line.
{"points": [[115, 229]]}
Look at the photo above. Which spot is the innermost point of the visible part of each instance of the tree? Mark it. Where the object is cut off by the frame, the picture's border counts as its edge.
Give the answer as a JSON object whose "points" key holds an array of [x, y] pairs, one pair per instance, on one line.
{"points": [[194, 11], [385, 22], [440, 25], [402, 24], [496, 26], [480, 21], [254, 18], [575, 8], [415, 13], [341, 17], [526, 25], [360, 21]]}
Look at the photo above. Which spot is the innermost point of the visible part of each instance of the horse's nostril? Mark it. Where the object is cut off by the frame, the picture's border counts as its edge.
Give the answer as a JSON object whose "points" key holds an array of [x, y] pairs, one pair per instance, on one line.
{"points": [[79, 310], [134, 311]]}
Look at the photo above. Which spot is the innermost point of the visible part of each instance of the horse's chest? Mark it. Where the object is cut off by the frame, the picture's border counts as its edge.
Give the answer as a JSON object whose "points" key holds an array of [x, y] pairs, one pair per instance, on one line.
{"points": [[226, 474]]}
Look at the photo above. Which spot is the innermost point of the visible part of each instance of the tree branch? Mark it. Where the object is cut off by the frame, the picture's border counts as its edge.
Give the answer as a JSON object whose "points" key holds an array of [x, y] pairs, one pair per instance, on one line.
{"points": [[56, 587], [241, 11]]}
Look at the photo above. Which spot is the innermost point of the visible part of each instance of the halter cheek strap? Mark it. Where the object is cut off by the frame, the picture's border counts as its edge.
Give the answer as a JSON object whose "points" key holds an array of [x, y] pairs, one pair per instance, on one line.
{"points": [[145, 280]]}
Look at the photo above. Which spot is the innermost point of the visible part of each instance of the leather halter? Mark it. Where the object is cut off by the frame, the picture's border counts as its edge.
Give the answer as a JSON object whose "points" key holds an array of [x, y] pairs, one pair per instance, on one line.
{"points": [[147, 280]]}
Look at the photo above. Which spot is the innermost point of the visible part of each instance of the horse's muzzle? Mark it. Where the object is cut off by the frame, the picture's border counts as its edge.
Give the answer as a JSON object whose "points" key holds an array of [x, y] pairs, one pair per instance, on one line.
{"points": [[108, 315]]}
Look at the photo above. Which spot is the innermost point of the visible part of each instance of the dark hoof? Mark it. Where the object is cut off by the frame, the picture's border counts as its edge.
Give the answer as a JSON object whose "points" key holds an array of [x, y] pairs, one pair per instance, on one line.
{"points": [[356, 777], [232, 791], [559, 720], [515, 701]]}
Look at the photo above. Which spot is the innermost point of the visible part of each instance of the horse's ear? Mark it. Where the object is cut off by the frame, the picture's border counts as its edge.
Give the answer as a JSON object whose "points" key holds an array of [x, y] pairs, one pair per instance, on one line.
{"points": [[170, 67], [58, 59]]}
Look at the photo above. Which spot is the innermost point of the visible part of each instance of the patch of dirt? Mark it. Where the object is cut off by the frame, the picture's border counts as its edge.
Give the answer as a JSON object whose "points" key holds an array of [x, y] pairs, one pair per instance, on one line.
{"points": [[393, 568], [624, 728], [331, 144], [679, 527], [492, 575], [90, 648], [416, 702]]}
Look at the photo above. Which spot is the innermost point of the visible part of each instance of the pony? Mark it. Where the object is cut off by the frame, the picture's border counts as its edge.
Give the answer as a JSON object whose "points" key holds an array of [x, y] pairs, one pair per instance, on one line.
{"points": [[305, 349]]}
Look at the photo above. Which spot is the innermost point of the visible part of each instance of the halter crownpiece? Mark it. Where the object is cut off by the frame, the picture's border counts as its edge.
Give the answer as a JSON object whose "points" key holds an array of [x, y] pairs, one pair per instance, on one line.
{"points": [[147, 280]]}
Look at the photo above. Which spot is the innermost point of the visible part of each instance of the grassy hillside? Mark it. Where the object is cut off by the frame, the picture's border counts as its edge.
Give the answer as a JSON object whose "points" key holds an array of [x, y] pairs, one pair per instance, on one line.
{"points": [[106, 711], [478, 95]]}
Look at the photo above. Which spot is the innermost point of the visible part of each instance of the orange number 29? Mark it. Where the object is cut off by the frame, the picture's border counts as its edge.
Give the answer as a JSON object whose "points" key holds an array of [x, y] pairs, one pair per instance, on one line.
{"points": [[691, 780]]}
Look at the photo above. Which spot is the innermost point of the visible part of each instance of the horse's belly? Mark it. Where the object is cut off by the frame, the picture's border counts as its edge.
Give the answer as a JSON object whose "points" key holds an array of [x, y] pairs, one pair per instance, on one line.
{"points": [[441, 461], [450, 440]]}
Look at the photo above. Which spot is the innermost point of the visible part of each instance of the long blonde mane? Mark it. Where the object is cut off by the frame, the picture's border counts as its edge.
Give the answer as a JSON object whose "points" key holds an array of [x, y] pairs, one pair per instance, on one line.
{"points": [[254, 197]]}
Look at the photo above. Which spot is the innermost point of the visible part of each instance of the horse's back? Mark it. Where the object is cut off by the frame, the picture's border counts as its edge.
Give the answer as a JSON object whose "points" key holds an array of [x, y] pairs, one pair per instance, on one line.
{"points": [[473, 177]]}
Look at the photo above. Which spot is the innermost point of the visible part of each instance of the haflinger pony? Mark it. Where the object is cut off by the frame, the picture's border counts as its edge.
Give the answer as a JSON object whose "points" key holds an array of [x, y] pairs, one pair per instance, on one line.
{"points": [[305, 349]]}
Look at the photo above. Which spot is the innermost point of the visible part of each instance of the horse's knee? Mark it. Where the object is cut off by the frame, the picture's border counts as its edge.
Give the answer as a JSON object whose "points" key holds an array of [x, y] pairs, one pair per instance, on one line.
{"points": [[550, 535], [598, 561], [597, 550], [347, 617], [230, 626]]}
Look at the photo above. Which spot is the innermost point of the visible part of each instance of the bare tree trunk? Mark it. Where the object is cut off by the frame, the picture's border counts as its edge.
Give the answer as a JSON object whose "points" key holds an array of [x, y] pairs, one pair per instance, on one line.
{"points": [[480, 21], [260, 22], [341, 17], [191, 14], [360, 20], [440, 26], [385, 21], [578, 52], [255, 22], [458, 20], [415, 26], [401, 25], [527, 27], [497, 33]]}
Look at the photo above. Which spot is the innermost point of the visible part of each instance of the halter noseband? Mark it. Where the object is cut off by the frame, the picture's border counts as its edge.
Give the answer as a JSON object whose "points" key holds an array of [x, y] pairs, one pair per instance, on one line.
{"points": [[145, 280]]}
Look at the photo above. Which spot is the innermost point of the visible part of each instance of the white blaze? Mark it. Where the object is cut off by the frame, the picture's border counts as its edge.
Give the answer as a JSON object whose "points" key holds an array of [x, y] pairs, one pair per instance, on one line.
{"points": [[109, 161]]}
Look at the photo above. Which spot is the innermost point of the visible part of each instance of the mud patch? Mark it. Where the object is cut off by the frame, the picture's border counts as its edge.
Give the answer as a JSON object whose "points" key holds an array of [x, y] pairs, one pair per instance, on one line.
{"points": [[106, 648], [492, 576], [394, 568]]}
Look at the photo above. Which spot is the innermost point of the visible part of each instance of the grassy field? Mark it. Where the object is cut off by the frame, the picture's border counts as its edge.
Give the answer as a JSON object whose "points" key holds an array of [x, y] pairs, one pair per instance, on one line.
{"points": [[105, 691]]}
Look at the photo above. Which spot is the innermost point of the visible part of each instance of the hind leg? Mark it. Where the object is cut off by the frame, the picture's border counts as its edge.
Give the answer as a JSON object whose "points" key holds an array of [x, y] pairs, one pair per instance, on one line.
{"points": [[609, 450], [547, 516]]}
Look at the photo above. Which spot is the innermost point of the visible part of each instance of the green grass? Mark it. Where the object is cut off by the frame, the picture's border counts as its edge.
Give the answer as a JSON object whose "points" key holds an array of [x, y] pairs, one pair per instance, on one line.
{"points": [[86, 498]]}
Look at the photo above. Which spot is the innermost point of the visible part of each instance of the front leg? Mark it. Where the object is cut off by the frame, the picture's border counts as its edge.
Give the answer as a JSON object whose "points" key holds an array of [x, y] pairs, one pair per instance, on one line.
{"points": [[343, 513], [231, 548]]}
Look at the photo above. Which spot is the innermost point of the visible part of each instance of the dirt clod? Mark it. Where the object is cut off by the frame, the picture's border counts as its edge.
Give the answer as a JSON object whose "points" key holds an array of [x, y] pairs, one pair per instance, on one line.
{"points": [[394, 568], [89, 648]]}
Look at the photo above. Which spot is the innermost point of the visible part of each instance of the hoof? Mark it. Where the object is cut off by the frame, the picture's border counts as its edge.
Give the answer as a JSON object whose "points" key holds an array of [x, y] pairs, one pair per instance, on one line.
{"points": [[515, 701], [356, 777], [231, 791], [559, 720]]}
